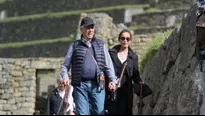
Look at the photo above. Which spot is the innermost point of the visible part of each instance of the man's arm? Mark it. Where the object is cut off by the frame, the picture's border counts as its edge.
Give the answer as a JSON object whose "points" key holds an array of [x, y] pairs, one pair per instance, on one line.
{"points": [[109, 69], [65, 67]]}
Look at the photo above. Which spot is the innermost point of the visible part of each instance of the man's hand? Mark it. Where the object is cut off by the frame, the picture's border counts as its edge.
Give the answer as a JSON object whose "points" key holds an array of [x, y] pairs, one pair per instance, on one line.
{"points": [[112, 86], [66, 81]]}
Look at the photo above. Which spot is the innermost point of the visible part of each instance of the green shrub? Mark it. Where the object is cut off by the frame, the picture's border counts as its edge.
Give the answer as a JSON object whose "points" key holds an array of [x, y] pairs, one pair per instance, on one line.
{"points": [[152, 47]]}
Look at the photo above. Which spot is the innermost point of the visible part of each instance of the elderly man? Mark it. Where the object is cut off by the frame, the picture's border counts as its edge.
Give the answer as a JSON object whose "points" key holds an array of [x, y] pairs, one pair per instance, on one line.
{"points": [[90, 63], [60, 101]]}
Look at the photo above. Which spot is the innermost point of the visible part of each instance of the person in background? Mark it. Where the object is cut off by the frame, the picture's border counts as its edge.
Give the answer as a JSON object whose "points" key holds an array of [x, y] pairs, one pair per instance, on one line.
{"points": [[56, 100], [91, 63], [200, 7], [200, 29], [121, 54]]}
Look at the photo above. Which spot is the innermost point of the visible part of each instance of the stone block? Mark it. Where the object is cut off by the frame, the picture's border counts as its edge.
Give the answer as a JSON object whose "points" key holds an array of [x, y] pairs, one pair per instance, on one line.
{"points": [[11, 101], [28, 94], [2, 113], [30, 99], [5, 96], [1, 107], [2, 101], [27, 105], [19, 112], [20, 99], [9, 107], [23, 90], [16, 73], [8, 113]]}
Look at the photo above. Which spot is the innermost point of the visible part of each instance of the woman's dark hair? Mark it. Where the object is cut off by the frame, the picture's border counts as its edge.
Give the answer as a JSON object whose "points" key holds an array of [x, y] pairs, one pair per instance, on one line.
{"points": [[123, 31]]}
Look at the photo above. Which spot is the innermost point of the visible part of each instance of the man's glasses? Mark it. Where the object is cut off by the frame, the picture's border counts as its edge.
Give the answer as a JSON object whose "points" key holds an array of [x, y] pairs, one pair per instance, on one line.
{"points": [[123, 38]]}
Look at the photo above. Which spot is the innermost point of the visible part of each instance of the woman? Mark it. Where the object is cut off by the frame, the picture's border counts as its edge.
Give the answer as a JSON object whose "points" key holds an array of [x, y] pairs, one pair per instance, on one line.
{"points": [[121, 54]]}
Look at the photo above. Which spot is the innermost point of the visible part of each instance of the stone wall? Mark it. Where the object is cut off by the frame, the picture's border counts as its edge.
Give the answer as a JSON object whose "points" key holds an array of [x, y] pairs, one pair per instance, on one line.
{"points": [[38, 29], [18, 83], [138, 44], [57, 50], [174, 74], [28, 7], [169, 18]]}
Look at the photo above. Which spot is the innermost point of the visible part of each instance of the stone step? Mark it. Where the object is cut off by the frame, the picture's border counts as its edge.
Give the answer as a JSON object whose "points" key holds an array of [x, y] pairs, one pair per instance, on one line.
{"points": [[38, 29], [169, 17], [152, 30], [29, 7]]}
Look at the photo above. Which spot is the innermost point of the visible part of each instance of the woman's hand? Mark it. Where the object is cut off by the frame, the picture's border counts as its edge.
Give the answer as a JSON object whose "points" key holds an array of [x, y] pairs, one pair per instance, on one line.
{"points": [[112, 86]]}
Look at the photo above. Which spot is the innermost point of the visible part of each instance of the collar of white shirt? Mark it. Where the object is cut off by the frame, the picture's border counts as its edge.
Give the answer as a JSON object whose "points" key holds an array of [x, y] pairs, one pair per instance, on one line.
{"points": [[87, 42], [61, 93]]}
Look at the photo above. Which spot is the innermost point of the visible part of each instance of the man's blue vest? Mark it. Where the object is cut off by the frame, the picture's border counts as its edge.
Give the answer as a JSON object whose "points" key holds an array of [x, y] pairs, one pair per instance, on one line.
{"points": [[78, 58]]}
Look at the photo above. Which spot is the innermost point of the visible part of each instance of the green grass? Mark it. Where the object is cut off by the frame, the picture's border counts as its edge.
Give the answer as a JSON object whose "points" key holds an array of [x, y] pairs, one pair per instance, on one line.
{"points": [[2, 1], [152, 48], [35, 42], [67, 13]]}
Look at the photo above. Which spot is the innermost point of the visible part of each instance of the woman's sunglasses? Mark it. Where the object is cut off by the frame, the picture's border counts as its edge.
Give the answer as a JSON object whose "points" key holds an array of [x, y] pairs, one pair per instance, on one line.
{"points": [[123, 38]]}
